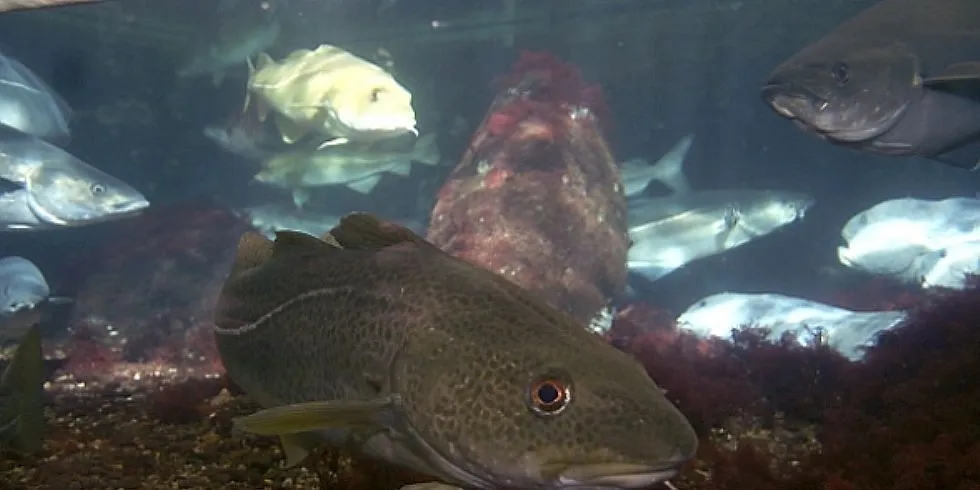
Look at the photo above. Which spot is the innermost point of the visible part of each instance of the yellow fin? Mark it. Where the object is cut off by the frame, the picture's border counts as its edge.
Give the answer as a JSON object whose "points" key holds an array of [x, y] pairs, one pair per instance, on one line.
{"points": [[292, 243], [366, 232], [313, 416], [290, 131], [253, 250], [296, 448]]}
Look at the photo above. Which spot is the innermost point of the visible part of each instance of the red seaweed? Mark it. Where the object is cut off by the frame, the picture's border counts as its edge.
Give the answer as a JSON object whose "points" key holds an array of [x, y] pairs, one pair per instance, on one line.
{"points": [[543, 82], [905, 417]]}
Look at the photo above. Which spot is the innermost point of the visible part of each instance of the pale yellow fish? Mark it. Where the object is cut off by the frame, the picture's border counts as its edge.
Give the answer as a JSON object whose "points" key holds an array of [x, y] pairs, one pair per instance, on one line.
{"points": [[332, 93]]}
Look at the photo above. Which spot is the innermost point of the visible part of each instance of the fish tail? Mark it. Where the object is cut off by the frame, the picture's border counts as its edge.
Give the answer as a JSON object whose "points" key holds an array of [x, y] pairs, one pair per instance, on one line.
{"points": [[426, 150], [22, 419], [261, 61], [670, 168]]}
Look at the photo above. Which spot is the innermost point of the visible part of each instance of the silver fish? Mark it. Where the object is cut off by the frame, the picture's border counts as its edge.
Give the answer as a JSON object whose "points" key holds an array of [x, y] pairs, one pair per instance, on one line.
{"points": [[901, 78], [23, 291], [355, 166], [953, 268], [905, 238], [56, 188], [637, 173], [22, 285], [10, 5], [30, 105], [812, 323], [669, 232], [271, 217]]}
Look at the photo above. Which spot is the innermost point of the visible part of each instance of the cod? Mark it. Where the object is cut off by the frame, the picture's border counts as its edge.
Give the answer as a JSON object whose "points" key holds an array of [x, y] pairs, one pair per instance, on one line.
{"points": [[330, 92], [372, 338]]}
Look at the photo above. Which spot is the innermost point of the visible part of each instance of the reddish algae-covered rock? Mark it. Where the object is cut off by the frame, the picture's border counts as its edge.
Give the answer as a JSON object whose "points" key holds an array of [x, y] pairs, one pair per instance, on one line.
{"points": [[537, 196]]}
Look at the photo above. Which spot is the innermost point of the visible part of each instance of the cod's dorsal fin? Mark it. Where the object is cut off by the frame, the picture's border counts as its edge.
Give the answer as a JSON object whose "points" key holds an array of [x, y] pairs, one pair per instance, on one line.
{"points": [[293, 243], [253, 250], [366, 232]]}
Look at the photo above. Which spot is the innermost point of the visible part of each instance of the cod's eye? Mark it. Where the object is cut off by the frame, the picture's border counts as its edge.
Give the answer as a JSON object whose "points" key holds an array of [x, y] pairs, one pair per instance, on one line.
{"points": [[96, 189], [841, 74], [548, 396]]}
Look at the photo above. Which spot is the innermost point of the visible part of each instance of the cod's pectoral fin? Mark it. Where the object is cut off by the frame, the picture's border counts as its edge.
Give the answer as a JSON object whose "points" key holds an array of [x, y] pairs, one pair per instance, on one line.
{"points": [[293, 243], [290, 131], [957, 75], [365, 185], [320, 415], [966, 156], [366, 232]]}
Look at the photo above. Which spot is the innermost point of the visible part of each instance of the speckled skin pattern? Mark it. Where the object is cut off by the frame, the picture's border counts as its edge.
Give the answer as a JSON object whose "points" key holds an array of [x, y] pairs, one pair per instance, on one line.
{"points": [[389, 313], [537, 197]]}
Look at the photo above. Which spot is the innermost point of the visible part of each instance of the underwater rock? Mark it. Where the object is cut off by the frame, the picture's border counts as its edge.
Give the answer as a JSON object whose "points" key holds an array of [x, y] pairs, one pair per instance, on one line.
{"points": [[147, 308], [538, 197]]}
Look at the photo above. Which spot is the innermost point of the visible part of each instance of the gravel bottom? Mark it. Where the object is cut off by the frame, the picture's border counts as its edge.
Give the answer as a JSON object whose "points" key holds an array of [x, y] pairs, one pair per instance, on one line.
{"points": [[157, 435]]}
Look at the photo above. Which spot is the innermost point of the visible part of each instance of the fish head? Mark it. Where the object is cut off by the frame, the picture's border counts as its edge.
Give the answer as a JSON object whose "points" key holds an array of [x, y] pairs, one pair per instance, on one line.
{"points": [[771, 210], [73, 195], [375, 104], [713, 315], [846, 96], [891, 246], [524, 411]]}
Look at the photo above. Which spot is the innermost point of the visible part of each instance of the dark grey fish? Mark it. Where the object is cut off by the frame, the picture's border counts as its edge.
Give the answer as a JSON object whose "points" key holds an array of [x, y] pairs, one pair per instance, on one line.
{"points": [[901, 78], [21, 396]]}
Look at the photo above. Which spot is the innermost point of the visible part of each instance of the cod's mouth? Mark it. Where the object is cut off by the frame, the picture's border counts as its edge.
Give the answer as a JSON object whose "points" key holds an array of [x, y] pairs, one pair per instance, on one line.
{"points": [[616, 475], [810, 113], [789, 100]]}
